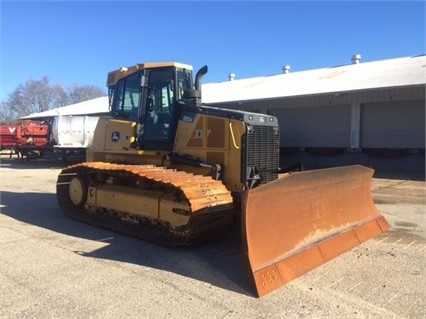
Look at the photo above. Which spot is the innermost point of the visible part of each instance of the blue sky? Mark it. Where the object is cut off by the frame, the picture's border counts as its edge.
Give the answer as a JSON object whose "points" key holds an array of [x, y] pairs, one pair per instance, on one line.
{"points": [[79, 42]]}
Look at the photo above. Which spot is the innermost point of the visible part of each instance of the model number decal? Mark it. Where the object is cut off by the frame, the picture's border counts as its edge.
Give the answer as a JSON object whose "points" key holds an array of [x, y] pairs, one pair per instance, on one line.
{"points": [[188, 117]]}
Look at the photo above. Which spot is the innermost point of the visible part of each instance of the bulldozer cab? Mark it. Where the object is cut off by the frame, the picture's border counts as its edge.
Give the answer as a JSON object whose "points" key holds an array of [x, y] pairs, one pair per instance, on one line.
{"points": [[150, 94]]}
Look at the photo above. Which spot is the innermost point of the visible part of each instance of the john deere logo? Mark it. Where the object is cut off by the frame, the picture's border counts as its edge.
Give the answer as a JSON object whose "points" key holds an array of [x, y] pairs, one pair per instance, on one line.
{"points": [[115, 137]]}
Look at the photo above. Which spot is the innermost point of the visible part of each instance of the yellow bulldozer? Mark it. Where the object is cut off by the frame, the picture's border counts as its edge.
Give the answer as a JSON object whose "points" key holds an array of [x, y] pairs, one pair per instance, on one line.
{"points": [[167, 168]]}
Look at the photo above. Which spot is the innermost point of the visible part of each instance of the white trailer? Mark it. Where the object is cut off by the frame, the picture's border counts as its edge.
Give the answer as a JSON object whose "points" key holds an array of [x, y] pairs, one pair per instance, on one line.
{"points": [[73, 134]]}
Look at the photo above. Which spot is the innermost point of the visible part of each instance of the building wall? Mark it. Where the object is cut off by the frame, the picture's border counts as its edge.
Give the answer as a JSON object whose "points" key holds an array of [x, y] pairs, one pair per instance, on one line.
{"points": [[380, 118], [353, 127], [322, 126], [397, 125]]}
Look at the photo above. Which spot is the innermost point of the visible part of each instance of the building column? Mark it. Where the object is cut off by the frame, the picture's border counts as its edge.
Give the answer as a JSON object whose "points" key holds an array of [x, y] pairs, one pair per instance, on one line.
{"points": [[355, 125]]}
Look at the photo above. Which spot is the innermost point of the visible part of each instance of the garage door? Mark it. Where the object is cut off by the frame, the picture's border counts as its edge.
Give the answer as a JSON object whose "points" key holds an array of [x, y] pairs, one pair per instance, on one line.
{"points": [[393, 125], [322, 126]]}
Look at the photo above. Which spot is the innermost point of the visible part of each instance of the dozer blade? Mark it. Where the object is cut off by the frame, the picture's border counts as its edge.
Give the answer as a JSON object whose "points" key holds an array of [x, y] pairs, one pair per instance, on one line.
{"points": [[302, 220]]}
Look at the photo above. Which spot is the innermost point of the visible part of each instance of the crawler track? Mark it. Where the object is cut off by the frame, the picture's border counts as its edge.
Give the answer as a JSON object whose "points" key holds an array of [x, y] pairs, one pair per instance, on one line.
{"points": [[211, 205]]}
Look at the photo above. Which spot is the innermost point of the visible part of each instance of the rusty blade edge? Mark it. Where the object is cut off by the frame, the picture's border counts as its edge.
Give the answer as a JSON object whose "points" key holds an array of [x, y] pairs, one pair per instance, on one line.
{"points": [[336, 233], [283, 271]]}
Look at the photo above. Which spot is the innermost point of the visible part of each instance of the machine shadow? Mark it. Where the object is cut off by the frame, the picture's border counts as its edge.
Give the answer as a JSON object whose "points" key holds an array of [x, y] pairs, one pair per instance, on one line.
{"points": [[217, 263], [47, 162]]}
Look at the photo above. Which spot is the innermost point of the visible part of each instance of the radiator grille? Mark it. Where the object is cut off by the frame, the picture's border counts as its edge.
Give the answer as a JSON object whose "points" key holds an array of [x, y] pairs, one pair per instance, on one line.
{"points": [[261, 153]]}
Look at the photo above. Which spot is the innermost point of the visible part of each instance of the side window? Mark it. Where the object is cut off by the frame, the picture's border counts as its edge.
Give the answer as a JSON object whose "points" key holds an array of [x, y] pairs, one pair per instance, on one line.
{"points": [[158, 114], [167, 95], [184, 82], [120, 96], [127, 99], [111, 94], [161, 90]]}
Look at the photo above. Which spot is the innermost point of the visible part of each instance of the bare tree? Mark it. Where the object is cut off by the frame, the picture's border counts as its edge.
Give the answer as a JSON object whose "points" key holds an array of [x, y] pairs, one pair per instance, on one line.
{"points": [[36, 96], [39, 95], [78, 94], [7, 115]]}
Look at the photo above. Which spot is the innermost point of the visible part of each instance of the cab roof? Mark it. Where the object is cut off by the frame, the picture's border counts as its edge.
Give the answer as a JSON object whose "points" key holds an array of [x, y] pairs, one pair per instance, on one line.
{"points": [[116, 75]]}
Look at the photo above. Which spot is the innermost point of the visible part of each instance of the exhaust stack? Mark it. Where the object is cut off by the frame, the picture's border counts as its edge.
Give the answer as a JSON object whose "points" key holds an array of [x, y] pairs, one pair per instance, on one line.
{"points": [[194, 95]]}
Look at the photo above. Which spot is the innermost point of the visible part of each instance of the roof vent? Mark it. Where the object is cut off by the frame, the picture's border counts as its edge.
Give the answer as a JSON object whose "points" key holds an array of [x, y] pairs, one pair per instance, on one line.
{"points": [[231, 76], [286, 69], [356, 59]]}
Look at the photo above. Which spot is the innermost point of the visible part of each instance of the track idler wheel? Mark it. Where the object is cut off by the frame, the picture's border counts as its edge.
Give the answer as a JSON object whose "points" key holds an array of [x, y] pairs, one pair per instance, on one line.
{"points": [[77, 191]]}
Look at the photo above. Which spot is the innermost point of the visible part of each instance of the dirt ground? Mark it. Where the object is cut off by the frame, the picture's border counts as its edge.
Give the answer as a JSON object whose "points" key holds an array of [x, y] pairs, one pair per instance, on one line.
{"points": [[54, 267]]}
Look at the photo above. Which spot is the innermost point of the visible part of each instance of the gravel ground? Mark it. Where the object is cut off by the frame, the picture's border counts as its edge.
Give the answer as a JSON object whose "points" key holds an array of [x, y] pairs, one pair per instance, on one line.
{"points": [[54, 267]]}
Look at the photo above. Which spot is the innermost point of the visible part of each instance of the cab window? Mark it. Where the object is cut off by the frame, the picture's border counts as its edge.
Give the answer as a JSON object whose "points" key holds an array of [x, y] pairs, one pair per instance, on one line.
{"points": [[126, 97], [159, 106], [184, 82]]}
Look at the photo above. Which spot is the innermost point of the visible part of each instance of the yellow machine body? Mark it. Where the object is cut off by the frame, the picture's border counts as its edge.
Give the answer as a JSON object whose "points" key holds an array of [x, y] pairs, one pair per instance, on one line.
{"points": [[166, 168]]}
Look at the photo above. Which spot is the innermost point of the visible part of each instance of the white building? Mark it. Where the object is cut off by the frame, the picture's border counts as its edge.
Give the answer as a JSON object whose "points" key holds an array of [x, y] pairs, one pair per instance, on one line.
{"points": [[373, 108]]}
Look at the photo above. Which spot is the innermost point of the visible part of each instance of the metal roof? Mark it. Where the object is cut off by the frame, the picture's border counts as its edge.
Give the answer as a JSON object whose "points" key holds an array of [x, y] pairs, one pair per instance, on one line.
{"points": [[407, 71], [94, 106], [399, 72]]}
